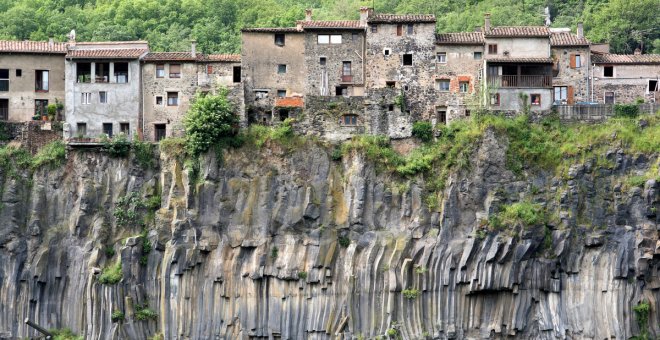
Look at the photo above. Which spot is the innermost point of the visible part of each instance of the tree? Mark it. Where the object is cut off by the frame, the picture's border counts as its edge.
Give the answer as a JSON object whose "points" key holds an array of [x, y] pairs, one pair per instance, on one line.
{"points": [[209, 119], [626, 25]]}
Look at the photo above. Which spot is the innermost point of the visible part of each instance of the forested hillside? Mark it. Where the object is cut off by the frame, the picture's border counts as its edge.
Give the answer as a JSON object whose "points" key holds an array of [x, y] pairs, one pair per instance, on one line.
{"points": [[216, 24]]}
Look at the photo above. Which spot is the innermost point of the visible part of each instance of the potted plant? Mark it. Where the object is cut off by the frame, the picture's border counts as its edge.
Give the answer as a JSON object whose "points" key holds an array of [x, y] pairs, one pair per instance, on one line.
{"points": [[52, 111], [60, 107]]}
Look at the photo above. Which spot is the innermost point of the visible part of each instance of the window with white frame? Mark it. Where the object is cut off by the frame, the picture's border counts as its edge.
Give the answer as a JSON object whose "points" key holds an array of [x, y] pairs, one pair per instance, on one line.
{"points": [[325, 39], [86, 98], [443, 85], [441, 57]]}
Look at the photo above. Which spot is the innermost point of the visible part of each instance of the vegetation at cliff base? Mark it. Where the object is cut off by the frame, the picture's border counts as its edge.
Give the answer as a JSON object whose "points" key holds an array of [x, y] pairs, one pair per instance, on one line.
{"points": [[64, 334]]}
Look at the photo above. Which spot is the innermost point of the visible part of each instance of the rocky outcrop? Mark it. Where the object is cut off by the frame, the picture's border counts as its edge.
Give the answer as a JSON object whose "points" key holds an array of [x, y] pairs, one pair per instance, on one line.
{"points": [[291, 244]]}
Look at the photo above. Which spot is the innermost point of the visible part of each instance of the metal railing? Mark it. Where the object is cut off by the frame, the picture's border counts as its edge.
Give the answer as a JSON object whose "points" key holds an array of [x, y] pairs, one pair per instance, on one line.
{"points": [[531, 81]]}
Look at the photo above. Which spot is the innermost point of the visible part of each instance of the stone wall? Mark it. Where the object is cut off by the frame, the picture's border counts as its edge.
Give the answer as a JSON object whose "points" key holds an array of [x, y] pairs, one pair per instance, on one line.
{"points": [[31, 135], [596, 113], [630, 83], [323, 115], [575, 77]]}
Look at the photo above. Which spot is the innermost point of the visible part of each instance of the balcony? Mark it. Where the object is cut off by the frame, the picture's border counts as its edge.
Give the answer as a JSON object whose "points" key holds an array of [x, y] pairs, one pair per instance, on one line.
{"points": [[521, 81]]}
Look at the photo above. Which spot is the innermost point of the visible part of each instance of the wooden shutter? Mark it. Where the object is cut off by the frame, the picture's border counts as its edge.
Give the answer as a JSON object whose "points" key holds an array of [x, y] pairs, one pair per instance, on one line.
{"points": [[572, 60], [399, 30], [570, 100]]}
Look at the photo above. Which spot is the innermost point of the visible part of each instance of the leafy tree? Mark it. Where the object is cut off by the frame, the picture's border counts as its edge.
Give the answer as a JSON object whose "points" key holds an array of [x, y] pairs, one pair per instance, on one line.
{"points": [[209, 119], [626, 25]]}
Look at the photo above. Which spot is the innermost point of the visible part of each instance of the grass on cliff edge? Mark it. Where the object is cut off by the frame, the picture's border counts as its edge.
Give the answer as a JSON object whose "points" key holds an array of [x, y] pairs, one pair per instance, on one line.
{"points": [[13, 159]]}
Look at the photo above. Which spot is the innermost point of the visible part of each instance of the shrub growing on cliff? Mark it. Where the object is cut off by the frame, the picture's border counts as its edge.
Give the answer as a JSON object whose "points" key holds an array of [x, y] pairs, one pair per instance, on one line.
{"points": [[144, 153], [52, 154], [423, 131], [642, 311], [626, 110], [524, 214], [411, 293], [145, 313], [209, 119], [64, 334], [111, 275], [119, 146]]}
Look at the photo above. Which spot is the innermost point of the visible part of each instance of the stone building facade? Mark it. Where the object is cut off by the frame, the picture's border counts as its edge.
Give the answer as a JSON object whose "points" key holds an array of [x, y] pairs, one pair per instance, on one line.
{"points": [[626, 78], [31, 77], [103, 89], [571, 67]]}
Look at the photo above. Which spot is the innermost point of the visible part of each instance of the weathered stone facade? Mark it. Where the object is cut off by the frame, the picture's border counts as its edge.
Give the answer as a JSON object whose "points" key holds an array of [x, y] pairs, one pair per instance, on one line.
{"points": [[633, 78], [571, 66]]}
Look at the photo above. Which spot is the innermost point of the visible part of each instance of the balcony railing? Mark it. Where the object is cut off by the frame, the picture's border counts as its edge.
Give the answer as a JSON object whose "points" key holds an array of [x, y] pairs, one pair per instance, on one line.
{"points": [[521, 81]]}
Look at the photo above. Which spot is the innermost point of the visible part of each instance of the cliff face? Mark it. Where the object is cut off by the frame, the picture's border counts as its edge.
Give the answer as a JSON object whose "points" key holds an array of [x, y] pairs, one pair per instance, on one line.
{"points": [[271, 243]]}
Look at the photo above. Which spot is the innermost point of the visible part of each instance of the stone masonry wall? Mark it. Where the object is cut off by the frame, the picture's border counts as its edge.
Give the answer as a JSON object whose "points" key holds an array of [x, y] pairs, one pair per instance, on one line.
{"points": [[577, 77]]}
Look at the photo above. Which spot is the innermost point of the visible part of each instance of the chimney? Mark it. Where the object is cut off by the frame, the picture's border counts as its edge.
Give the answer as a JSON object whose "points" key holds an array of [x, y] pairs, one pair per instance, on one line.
{"points": [[365, 12], [193, 48], [51, 42], [487, 22], [308, 14], [580, 30], [638, 51]]}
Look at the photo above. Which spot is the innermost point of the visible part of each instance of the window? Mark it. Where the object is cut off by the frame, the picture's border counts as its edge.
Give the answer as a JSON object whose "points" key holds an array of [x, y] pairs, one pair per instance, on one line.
{"points": [[4, 109], [495, 99], [390, 84], [102, 74], [172, 98], [477, 55], [349, 120], [281, 93], [463, 86], [81, 129], [560, 95], [609, 97], [159, 132], [107, 129], [399, 30], [103, 97], [653, 85], [346, 68], [84, 72], [492, 48], [279, 39], [387, 51], [41, 81], [19, 72], [86, 98], [160, 70], [41, 107], [390, 107], [341, 90], [441, 114], [578, 61], [467, 113], [121, 73], [322, 61], [443, 84], [407, 60], [374, 28], [124, 128], [159, 100], [442, 57], [237, 74], [354, 36], [411, 29], [335, 39], [608, 71], [325, 39], [175, 70], [535, 99], [281, 69], [209, 69], [4, 79]]}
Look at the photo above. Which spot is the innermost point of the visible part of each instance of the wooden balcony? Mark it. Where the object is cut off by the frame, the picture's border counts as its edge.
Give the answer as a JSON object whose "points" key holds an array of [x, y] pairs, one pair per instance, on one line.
{"points": [[521, 81]]}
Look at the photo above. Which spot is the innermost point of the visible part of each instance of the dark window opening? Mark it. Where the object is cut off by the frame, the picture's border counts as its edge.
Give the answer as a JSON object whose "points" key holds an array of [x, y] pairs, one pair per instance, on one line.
{"points": [[102, 74], [406, 88], [341, 91], [387, 51], [495, 99], [4, 79], [322, 61], [237, 74], [467, 113], [41, 81], [535, 99], [374, 28], [281, 68], [81, 129], [84, 72], [172, 98], [284, 114], [441, 114], [653, 86], [407, 60], [411, 29], [160, 70], [4, 109], [175, 70], [281, 93], [350, 120], [41, 107], [159, 132], [492, 49], [390, 107], [159, 100], [19, 72], [121, 73], [608, 71], [477, 56], [103, 97], [279, 39], [107, 129], [609, 97], [390, 84], [124, 128]]}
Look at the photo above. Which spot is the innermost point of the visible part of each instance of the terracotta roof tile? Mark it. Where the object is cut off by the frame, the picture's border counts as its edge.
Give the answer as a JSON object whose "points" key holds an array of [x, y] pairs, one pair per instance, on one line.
{"points": [[625, 58], [401, 18], [271, 30], [330, 24], [172, 56], [289, 102], [518, 31], [520, 60], [463, 38], [32, 47], [567, 39], [234, 58], [116, 53]]}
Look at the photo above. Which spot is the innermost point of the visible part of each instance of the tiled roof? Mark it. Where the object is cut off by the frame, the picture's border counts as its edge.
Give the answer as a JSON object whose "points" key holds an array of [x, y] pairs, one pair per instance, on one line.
{"points": [[289, 102], [130, 42], [330, 24], [234, 58], [401, 18], [271, 30], [518, 31], [32, 47], [520, 60], [463, 38], [625, 58], [172, 56], [116, 53], [567, 39]]}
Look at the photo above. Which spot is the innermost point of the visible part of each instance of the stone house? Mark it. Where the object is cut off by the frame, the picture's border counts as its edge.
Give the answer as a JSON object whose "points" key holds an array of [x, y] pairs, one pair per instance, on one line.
{"points": [[272, 61], [172, 79], [31, 77], [103, 88], [625, 78], [571, 66], [458, 72]]}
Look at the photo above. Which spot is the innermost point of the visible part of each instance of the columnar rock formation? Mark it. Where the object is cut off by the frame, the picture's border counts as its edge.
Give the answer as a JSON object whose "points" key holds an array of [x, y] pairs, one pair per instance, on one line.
{"points": [[289, 243]]}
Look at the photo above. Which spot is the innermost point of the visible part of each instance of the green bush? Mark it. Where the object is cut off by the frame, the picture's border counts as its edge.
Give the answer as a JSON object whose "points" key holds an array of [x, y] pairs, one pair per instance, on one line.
{"points": [[344, 241], [117, 316], [626, 110], [64, 334], [112, 274], [642, 312], [109, 251], [520, 214], [52, 154], [173, 146], [143, 313], [423, 131], [302, 275], [209, 118], [144, 153], [127, 209], [274, 252], [411, 293], [636, 181]]}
